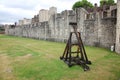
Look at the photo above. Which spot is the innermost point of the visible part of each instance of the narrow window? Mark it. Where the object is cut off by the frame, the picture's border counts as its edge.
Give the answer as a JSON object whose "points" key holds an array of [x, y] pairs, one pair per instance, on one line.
{"points": [[104, 14]]}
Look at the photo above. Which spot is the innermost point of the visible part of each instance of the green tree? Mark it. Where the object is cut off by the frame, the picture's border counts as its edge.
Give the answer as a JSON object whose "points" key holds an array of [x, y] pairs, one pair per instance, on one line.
{"points": [[83, 3], [102, 2], [107, 2], [110, 2]]}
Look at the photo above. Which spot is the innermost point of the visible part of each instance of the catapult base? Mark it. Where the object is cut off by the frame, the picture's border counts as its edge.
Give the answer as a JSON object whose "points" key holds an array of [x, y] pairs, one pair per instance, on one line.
{"points": [[78, 57]]}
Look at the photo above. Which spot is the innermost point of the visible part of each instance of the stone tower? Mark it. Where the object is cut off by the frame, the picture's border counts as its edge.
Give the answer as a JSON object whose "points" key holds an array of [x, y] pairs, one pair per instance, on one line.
{"points": [[43, 15], [117, 49], [52, 11]]}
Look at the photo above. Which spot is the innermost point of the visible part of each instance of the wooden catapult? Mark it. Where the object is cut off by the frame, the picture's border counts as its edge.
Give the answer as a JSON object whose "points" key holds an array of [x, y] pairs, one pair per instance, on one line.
{"points": [[79, 56]]}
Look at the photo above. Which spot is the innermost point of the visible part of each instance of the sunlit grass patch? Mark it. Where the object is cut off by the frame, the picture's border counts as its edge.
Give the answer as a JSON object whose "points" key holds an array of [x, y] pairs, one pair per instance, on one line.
{"points": [[29, 59]]}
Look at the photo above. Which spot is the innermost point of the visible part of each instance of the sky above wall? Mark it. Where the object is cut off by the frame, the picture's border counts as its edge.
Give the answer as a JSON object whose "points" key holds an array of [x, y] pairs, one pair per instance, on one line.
{"points": [[13, 10]]}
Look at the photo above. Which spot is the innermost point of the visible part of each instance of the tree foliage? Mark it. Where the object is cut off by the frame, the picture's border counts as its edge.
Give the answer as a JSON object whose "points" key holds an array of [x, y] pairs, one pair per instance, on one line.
{"points": [[83, 3], [107, 2]]}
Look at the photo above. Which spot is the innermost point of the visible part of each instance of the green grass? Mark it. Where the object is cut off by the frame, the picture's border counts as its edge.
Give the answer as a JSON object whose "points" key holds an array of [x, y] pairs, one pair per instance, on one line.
{"points": [[30, 59]]}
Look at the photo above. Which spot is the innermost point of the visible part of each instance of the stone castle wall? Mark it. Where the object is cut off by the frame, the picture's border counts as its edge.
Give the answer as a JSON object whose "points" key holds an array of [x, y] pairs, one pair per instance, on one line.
{"points": [[94, 32], [118, 28]]}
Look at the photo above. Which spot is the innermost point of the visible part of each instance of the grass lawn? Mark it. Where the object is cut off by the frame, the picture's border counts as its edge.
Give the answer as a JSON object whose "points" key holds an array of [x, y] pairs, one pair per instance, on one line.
{"points": [[30, 59]]}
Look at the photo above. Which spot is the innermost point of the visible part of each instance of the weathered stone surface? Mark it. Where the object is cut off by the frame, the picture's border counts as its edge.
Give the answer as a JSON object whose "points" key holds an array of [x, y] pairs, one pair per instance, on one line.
{"points": [[118, 28], [94, 32]]}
